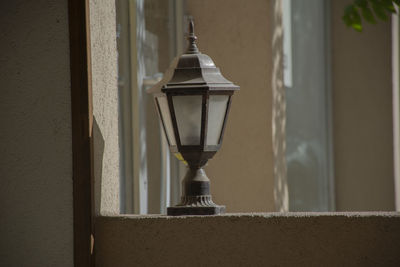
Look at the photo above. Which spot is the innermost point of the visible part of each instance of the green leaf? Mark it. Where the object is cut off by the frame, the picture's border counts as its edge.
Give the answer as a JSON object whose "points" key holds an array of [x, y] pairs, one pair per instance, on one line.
{"points": [[379, 10], [352, 18], [371, 11], [348, 15], [368, 15], [355, 16], [346, 20], [388, 4], [362, 3], [357, 27], [349, 10]]}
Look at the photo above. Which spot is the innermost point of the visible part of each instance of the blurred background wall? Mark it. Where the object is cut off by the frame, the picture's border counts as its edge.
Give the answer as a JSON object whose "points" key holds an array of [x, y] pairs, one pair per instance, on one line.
{"points": [[238, 37], [36, 225], [362, 114]]}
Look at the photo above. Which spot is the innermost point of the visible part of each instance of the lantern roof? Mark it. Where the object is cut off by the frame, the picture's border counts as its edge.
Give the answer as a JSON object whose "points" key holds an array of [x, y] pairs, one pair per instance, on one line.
{"points": [[193, 71]]}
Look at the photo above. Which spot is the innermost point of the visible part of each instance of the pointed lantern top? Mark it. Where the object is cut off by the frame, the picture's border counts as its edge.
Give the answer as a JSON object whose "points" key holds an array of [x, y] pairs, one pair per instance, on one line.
{"points": [[192, 48], [193, 70]]}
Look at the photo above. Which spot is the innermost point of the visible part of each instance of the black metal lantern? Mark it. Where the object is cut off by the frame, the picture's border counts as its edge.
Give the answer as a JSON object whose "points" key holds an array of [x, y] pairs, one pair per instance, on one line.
{"points": [[193, 102]]}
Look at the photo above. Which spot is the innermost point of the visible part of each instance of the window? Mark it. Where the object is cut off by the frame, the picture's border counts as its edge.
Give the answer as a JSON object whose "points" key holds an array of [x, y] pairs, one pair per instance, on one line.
{"points": [[309, 153], [149, 35]]}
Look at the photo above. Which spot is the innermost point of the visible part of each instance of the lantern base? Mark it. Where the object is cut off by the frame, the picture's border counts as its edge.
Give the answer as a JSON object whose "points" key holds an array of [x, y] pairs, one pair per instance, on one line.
{"points": [[190, 210], [196, 205]]}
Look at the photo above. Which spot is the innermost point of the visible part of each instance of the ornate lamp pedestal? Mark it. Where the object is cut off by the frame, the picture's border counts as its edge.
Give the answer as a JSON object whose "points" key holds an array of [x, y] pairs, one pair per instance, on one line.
{"points": [[193, 101], [196, 199]]}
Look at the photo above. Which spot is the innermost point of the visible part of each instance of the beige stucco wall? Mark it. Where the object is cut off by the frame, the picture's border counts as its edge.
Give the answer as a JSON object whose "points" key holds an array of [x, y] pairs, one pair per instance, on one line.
{"points": [[237, 36], [362, 115], [35, 149], [275, 239], [242, 172], [105, 105]]}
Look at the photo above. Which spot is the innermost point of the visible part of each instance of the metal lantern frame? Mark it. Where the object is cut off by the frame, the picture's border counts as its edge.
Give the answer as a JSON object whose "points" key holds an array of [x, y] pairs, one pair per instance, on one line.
{"points": [[193, 74], [195, 154]]}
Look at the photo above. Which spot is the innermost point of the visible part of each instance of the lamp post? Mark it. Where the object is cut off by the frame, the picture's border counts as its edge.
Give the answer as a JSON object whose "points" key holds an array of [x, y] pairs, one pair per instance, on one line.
{"points": [[193, 101]]}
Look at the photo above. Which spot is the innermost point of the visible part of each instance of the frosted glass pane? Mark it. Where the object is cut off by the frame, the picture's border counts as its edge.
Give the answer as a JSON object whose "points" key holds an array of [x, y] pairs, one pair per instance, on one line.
{"points": [[216, 114], [188, 118], [166, 117]]}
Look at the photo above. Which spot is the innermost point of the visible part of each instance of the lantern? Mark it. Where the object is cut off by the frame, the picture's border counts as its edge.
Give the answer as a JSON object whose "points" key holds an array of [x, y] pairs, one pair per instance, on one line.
{"points": [[193, 101]]}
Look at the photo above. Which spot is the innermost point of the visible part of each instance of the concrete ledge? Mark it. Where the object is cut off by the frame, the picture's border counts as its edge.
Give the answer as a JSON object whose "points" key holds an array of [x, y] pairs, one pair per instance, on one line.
{"points": [[259, 239]]}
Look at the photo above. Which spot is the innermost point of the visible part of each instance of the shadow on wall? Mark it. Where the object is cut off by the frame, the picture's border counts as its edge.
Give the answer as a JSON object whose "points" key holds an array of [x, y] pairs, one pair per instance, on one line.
{"points": [[281, 194], [98, 153]]}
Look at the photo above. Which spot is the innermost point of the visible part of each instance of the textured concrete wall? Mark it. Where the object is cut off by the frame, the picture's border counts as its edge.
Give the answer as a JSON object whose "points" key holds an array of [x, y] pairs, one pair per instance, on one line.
{"points": [[250, 240], [362, 115], [35, 148], [105, 105], [238, 37]]}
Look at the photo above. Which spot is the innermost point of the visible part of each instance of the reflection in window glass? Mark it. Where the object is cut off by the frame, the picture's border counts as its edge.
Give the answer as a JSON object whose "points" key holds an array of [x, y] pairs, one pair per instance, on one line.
{"points": [[308, 143]]}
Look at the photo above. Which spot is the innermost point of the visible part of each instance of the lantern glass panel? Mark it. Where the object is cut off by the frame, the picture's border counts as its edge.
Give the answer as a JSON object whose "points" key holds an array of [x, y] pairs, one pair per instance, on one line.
{"points": [[188, 118], [216, 115], [166, 119]]}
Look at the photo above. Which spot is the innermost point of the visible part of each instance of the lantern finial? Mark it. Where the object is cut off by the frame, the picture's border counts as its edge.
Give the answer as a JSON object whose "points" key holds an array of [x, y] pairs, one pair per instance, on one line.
{"points": [[192, 48]]}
